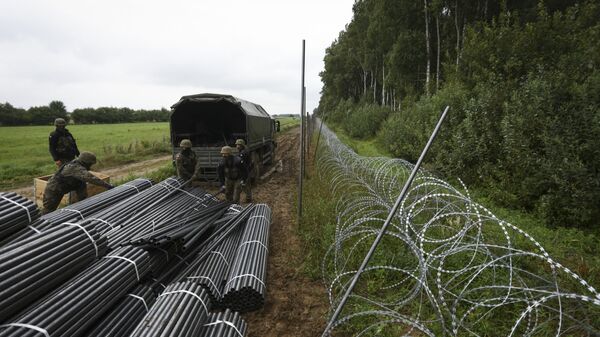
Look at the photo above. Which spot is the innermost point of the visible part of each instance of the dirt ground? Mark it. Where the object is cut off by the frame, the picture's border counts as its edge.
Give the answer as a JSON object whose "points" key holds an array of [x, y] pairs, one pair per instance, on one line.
{"points": [[117, 173], [295, 305]]}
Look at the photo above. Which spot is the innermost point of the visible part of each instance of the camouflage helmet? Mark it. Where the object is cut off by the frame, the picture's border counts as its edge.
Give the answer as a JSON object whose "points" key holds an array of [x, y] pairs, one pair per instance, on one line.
{"points": [[87, 158], [186, 144], [226, 150], [240, 142], [60, 121]]}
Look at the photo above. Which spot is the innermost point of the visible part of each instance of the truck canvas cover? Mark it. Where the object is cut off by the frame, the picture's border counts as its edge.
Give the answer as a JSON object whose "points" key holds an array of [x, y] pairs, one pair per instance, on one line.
{"points": [[212, 120]]}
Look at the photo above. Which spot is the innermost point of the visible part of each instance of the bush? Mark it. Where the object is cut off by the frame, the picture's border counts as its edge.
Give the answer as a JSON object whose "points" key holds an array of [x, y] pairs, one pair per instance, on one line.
{"points": [[364, 121]]}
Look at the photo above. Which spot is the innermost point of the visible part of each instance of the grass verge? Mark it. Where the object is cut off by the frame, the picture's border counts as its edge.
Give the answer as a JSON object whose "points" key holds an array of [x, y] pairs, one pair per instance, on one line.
{"points": [[24, 153]]}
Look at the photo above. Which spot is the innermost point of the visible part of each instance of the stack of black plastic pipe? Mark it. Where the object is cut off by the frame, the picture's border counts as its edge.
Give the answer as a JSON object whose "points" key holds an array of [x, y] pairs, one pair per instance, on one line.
{"points": [[33, 267], [176, 205], [185, 229], [82, 209], [16, 213], [71, 309], [115, 216], [126, 315], [180, 311], [224, 324], [213, 272], [195, 256], [245, 288]]}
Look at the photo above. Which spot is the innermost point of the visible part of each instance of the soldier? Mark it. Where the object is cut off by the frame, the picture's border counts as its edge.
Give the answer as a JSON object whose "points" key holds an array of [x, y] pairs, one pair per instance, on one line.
{"points": [[232, 174], [244, 155], [71, 176], [63, 147], [186, 161]]}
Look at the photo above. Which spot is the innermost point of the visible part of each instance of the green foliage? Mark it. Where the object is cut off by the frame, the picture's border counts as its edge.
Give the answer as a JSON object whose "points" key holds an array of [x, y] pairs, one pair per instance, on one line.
{"points": [[45, 115], [523, 82], [160, 174], [364, 121], [318, 222], [36, 115], [118, 115], [364, 147]]}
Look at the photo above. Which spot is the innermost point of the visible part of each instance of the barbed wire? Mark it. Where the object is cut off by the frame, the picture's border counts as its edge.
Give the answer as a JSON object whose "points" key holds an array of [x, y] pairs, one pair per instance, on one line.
{"points": [[447, 266]]}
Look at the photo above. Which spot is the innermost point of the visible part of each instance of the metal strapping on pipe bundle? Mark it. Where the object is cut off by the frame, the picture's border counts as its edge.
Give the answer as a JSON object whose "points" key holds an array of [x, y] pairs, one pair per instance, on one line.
{"points": [[225, 324], [126, 315], [33, 267], [213, 272], [180, 311], [71, 309], [83, 209], [245, 288], [16, 213]]}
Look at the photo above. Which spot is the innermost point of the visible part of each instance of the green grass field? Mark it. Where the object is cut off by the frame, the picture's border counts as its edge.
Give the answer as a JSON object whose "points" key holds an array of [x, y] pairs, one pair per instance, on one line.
{"points": [[24, 153], [287, 123]]}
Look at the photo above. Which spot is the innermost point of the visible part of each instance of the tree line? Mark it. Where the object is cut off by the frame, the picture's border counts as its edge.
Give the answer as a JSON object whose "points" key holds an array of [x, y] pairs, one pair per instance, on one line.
{"points": [[45, 115], [521, 76]]}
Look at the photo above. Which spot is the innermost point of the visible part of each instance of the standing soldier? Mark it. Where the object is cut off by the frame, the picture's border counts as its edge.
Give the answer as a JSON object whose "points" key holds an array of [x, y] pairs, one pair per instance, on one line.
{"points": [[244, 155], [232, 174], [63, 147], [71, 176], [186, 161]]}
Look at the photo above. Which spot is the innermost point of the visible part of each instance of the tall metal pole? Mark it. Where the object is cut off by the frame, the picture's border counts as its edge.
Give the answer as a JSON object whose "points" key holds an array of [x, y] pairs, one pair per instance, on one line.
{"points": [[301, 168], [385, 225], [304, 134]]}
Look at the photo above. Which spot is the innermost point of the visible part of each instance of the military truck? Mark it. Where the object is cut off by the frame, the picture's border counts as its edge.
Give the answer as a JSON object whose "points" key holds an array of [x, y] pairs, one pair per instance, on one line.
{"points": [[212, 121]]}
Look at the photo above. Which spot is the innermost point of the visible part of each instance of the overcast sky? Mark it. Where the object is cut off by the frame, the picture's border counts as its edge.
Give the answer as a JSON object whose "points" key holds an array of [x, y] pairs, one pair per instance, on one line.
{"points": [[147, 54]]}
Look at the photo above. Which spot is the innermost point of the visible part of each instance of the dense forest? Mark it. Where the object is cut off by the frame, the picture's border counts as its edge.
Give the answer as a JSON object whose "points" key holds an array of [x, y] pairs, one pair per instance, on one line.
{"points": [[522, 78], [45, 115]]}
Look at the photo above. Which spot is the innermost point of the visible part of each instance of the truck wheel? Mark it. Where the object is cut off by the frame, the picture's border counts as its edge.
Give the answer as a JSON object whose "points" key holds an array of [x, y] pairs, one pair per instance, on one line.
{"points": [[271, 152]]}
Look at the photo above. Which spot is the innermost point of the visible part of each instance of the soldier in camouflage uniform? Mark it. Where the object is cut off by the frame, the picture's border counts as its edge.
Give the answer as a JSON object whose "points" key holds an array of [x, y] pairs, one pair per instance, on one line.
{"points": [[71, 176], [244, 155], [232, 173], [62, 145], [186, 162]]}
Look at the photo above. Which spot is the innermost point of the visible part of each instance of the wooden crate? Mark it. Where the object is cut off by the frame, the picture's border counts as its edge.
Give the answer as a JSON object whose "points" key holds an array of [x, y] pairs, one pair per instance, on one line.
{"points": [[39, 185]]}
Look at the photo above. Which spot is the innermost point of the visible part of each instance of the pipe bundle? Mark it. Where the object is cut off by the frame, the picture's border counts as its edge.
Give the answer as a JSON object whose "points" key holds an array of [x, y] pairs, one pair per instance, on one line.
{"points": [[185, 230], [33, 267], [245, 288], [73, 308], [16, 213], [126, 315], [82, 209], [224, 324], [180, 311], [175, 204], [212, 273], [76, 278]]}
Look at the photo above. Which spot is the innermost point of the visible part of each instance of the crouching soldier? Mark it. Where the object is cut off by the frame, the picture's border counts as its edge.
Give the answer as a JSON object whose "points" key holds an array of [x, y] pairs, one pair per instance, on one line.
{"points": [[71, 176], [186, 161], [232, 174], [244, 155]]}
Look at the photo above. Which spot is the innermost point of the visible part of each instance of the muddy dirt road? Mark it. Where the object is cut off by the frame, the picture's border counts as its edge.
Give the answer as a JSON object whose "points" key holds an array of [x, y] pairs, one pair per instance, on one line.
{"points": [[116, 173], [295, 305]]}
